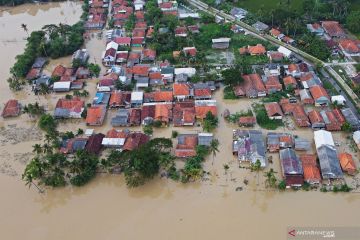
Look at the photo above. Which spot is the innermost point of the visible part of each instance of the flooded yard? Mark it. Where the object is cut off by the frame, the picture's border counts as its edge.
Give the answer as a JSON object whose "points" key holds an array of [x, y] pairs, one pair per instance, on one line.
{"points": [[162, 209]]}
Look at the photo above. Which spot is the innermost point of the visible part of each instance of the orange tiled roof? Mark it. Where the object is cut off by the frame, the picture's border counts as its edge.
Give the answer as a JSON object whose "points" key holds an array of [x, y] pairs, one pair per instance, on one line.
{"points": [[315, 117], [273, 108], [256, 50], [163, 112], [140, 70], [349, 46], [95, 115], [163, 96], [202, 92], [275, 32], [201, 111], [181, 89], [113, 133], [347, 163], [289, 80], [318, 91], [74, 105], [293, 67], [311, 171], [11, 109]]}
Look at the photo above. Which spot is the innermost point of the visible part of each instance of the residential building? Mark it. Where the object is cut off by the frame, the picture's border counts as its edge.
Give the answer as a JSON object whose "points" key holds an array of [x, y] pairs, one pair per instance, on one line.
{"points": [[347, 163], [69, 108], [273, 110], [311, 169], [320, 96], [96, 115], [292, 169], [12, 109]]}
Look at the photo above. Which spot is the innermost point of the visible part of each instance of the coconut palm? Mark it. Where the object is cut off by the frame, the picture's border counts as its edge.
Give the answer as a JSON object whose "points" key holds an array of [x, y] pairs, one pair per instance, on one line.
{"points": [[270, 178], [214, 148], [256, 167], [37, 149], [24, 27], [47, 148], [226, 168]]}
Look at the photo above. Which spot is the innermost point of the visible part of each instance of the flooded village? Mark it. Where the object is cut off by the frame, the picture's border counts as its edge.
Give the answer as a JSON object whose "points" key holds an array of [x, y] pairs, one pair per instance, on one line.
{"points": [[284, 139]]}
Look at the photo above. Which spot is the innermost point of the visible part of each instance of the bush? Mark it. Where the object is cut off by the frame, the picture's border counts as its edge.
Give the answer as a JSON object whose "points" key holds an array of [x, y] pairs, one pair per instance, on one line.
{"points": [[174, 134], [282, 185], [263, 120], [229, 93]]}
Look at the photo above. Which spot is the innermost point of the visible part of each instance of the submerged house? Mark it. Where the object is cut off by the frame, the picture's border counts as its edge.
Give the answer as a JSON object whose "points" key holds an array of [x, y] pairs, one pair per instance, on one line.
{"points": [[94, 143], [96, 115], [291, 168], [310, 168], [134, 140], [69, 108], [114, 139], [347, 163], [184, 114], [249, 146], [277, 141], [186, 146], [121, 119], [12, 109], [73, 145]]}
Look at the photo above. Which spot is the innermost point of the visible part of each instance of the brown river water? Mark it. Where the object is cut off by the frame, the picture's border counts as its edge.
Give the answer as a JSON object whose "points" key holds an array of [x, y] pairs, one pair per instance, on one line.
{"points": [[162, 209]]}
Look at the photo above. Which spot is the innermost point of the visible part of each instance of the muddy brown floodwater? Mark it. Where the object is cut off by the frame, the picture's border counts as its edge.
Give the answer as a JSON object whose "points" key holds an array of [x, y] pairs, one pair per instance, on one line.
{"points": [[162, 209]]}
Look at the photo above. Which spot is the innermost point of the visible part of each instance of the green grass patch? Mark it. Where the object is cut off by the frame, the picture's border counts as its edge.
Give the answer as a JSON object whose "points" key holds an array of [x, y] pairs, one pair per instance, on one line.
{"points": [[229, 93], [234, 118], [263, 120]]}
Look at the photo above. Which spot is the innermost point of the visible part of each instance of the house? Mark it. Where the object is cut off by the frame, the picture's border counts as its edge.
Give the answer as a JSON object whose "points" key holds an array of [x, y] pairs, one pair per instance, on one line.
{"points": [[288, 40], [189, 51], [123, 41], [180, 32], [42, 81], [96, 115], [39, 62], [331, 122], [81, 55], [82, 73], [272, 84], [181, 91], [237, 29], [220, 43], [316, 29], [101, 98], [333, 29], [205, 139], [293, 70], [202, 107], [323, 137], [73, 145], [61, 86], [339, 116], [320, 96], [58, 71], [109, 55], [338, 99], [135, 140], [309, 79], [275, 56], [155, 79], [33, 74], [310, 168], [302, 144], [184, 114], [139, 5], [256, 50], [69, 108], [114, 139], [300, 117], [140, 70], [94, 143], [163, 113], [273, 110], [290, 83], [194, 29], [148, 55], [249, 146], [135, 117], [159, 96], [347, 163], [277, 141], [106, 85], [306, 97], [287, 53], [349, 47], [356, 138], [238, 13], [254, 86], [202, 91], [12, 109], [292, 169], [356, 80], [329, 162], [167, 74], [137, 98], [147, 114], [276, 34], [351, 118], [260, 26], [134, 58], [186, 146], [121, 119], [247, 121], [168, 7], [189, 71], [316, 120], [121, 57], [68, 75], [142, 82]]}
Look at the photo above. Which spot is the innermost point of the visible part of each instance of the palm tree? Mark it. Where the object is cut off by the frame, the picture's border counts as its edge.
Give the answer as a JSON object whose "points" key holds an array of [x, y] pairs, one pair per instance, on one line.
{"points": [[24, 27], [270, 178], [34, 170], [37, 149], [47, 148], [226, 168], [214, 148], [256, 167]]}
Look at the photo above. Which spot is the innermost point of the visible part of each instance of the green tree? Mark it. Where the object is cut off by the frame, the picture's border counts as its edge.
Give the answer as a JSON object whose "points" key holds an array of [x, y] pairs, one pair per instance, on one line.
{"points": [[148, 129], [232, 76], [256, 167], [94, 69], [47, 123], [352, 21], [210, 122], [270, 178], [346, 127], [214, 148], [83, 168]]}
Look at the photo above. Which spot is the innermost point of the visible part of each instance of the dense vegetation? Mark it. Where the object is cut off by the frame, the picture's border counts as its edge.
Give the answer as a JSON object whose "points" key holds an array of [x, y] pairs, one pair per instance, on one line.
{"points": [[263, 120]]}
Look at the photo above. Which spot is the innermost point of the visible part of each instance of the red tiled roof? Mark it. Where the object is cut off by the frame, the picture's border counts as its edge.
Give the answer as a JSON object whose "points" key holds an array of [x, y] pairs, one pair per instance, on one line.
{"points": [[311, 171], [119, 98], [315, 117], [181, 89], [155, 75], [275, 32], [123, 40], [138, 33], [201, 111], [204, 92], [273, 109], [141, 25], [293, 68], [135, 116], [188, 148], [147, 111], [349, 46], [73, 105], [94, 143], [95, 115], [33, 73], [180, 30], [318, 91], [289, 80], [276, 55], [113, 133], [150, 53], [137, 40], [347, 163], [333, 28], [106, 82], [134, 55], [174, 13], [140, 70], [134, 140], [139, 15], [300, 117], [163, 112], [273, 83], [247, 120], [339, 116], [190, 50], [163, 96], [11, 109], [256, 50]]}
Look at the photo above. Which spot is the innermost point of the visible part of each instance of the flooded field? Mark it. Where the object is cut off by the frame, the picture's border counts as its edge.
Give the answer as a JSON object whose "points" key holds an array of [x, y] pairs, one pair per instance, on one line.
{"points": [[162, 209]]}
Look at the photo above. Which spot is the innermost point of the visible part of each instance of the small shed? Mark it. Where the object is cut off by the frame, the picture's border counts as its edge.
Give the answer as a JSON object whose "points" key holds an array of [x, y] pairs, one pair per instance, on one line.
{"points": [[62, 86], [137, 98]]}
